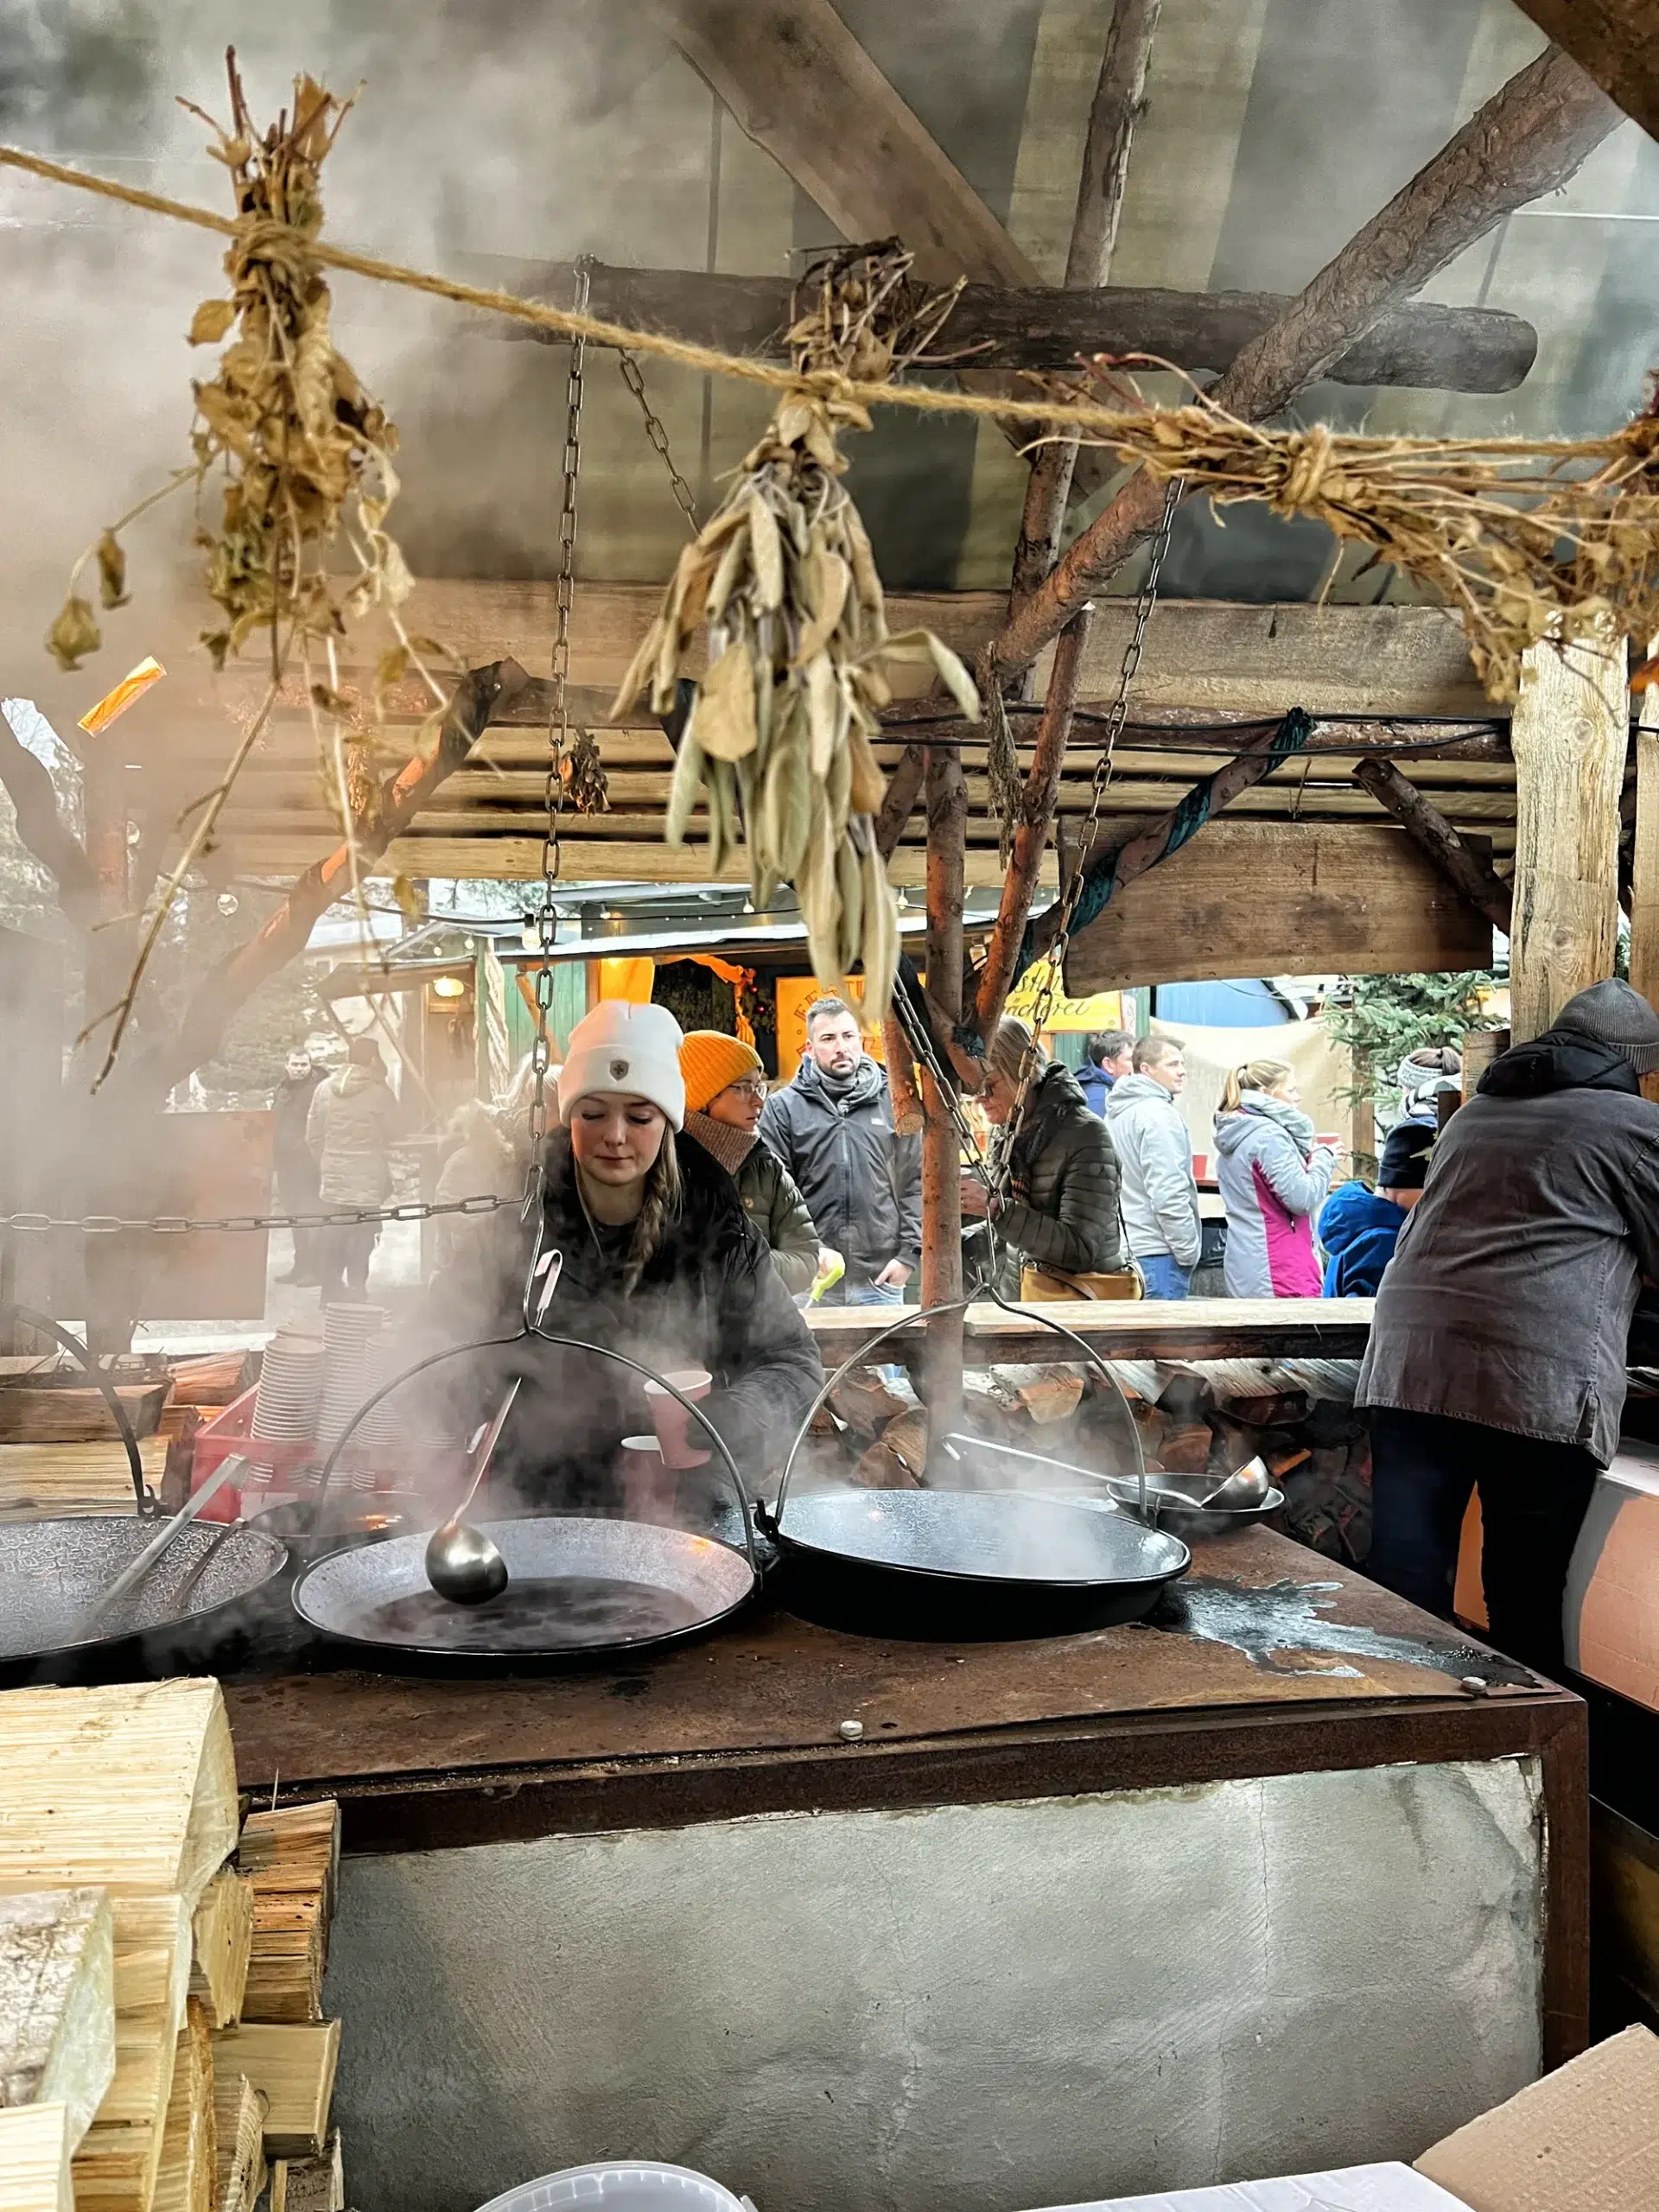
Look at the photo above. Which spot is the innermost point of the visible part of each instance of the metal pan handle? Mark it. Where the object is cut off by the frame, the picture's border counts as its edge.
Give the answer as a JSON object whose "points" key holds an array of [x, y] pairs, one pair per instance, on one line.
{"points": [[773, 1521], [106, 1389]]}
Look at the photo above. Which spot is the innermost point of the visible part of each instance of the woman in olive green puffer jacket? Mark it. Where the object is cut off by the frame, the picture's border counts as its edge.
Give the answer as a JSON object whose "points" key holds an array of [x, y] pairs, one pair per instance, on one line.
{"points": [[724, 1091]]}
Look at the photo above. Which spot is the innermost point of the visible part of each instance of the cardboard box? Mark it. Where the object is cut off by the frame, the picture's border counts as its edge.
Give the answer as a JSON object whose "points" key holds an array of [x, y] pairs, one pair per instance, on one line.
{"points": [[1356, 2189], [1585, 2138]]}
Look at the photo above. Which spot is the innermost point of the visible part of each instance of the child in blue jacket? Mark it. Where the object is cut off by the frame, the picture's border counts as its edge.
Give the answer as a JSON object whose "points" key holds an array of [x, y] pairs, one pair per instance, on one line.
{"points": [[1358, 1228]]}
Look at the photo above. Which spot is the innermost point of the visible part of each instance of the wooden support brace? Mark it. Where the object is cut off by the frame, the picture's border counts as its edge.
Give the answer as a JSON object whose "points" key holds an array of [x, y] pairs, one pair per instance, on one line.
{"points": [[903, 789], [1427, 826], [1526, 140], [1569, 734]]}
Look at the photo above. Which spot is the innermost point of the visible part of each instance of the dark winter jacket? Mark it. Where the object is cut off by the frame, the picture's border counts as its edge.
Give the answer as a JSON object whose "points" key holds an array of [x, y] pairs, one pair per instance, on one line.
{"points": [[290, 1103], [1094, 1085], [709, 1297], [1509, 1296], [1062, 1210], [1358, 1230], [861, 1182], [350, 1130], [771, 1201]]}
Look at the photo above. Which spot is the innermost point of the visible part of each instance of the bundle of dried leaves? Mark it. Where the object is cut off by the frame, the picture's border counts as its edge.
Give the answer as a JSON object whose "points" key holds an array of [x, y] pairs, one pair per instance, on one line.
{"points": [[781, 734], [1522, 540]]}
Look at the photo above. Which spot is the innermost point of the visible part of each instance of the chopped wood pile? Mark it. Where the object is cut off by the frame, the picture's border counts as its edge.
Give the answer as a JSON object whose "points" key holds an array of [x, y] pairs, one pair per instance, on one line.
{"points": [[162, 2047], [1192, 1417], [59, 1451]]}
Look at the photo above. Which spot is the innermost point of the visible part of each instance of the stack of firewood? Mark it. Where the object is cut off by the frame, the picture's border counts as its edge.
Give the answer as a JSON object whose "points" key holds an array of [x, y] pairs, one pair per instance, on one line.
{"points": [[162, 2047]]}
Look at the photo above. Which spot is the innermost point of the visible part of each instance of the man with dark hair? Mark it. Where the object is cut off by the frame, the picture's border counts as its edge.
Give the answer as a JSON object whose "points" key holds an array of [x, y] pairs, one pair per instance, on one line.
{"points": [[1106, 1057], [832, 1128], [297, 1187], [1154, 1154]]}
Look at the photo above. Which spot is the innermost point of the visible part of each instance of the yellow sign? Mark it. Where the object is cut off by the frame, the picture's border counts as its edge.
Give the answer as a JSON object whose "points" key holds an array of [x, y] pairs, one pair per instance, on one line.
{"points": [[1103, 1010]]}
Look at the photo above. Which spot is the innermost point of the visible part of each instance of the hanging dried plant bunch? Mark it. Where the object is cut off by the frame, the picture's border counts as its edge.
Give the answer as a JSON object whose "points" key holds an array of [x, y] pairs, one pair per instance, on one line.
{"points": [[781, 737], [1522, 540], [303, 448]]}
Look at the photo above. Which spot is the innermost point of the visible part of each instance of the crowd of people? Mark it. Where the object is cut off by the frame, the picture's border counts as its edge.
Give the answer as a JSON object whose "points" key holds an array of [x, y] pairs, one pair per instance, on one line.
{"points": [[699, 1208]]}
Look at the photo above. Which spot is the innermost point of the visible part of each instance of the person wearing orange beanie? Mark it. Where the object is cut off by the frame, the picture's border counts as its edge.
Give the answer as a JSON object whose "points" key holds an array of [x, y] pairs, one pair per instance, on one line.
{"points": [[724, 1091]]}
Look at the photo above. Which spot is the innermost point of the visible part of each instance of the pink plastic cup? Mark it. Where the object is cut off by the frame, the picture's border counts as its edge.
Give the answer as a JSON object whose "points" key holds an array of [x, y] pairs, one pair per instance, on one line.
{"points": [[671, 1421]]}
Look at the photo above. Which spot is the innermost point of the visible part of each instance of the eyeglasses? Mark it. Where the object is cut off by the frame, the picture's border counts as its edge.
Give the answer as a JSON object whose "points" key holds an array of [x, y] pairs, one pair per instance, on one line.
{"points": [[751, 1087]]}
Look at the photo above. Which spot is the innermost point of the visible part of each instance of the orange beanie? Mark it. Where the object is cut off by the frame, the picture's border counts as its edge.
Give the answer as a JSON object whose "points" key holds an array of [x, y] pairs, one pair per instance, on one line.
{"points": [[709, 1061]]}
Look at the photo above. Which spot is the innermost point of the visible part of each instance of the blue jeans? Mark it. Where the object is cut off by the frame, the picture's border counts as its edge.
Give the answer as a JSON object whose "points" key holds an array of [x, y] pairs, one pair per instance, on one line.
{"points": [[874, 1293], [1166, 1276]]}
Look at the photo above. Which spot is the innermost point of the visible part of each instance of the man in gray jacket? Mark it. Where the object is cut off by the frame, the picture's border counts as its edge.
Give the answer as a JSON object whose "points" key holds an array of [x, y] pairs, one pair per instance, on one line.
{"points": [[1160, 1195], [1497, 1356]]}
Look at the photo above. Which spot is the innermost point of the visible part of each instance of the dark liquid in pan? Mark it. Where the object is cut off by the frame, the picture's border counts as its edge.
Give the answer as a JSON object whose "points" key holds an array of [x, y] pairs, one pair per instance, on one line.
{"points": [[566, 1612]]}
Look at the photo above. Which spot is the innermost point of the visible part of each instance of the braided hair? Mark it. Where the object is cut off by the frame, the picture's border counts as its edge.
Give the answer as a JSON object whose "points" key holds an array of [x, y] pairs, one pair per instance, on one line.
{"points": [[664, 1190]]}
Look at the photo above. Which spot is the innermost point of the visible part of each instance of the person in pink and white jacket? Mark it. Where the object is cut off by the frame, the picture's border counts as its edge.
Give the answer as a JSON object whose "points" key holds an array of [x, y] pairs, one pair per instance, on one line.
{"points": [[1274, 1179]]}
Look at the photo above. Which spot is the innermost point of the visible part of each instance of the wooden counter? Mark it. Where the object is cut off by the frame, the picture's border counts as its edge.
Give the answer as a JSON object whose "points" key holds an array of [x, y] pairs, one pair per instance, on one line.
{"points": [[1149, 1328]]}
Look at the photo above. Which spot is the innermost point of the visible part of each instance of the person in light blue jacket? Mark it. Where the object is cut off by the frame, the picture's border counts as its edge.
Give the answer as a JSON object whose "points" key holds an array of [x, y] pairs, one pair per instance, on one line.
{"points": [[1273, 1178]]}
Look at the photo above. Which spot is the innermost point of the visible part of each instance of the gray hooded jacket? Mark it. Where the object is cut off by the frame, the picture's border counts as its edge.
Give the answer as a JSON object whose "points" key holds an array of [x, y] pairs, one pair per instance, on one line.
{"points": [[1509, 1296], [1155, 1155]]}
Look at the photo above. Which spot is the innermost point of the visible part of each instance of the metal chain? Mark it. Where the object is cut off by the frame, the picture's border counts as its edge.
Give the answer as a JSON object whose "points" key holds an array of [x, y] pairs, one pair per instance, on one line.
{"points": [[558, 731], [1117, 716], [181, 1225], [659, 436]]}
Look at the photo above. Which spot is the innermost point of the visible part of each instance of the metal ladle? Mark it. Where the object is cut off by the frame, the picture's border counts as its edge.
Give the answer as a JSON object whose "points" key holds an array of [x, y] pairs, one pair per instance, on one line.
{"points": [[462, 1564], [1241, 1491]]}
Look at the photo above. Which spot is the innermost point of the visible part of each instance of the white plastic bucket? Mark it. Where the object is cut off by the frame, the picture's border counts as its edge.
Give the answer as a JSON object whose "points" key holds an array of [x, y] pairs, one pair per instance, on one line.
{"points": [[619, 2185]]}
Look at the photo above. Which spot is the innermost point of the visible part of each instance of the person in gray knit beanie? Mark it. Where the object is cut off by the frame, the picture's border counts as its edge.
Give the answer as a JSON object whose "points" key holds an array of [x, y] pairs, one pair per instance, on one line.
{"points": [[1496, 1358], [1615, 1014]]}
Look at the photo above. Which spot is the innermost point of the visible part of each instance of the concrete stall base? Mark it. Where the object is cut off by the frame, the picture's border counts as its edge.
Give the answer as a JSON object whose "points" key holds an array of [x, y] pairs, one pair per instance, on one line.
{"points": [[951, 2008]]}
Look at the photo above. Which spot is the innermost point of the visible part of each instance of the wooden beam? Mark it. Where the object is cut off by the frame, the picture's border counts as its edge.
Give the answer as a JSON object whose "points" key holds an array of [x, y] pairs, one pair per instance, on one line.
{"points": [[1615, 42], [1036, 326], [1526, 140], [1037, 819], [1429, 829], [1570, 734], [800, 85], [1199, 1328], [947, 820], [903, 789], [1364, 900], [228, 987], [1644, 861], [1120, 97]]}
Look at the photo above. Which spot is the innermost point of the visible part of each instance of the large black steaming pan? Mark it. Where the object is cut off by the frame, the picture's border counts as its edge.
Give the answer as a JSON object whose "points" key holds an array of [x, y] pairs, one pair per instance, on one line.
{"points": [[51, 1571], [1000, 1554], [578, 1585]]}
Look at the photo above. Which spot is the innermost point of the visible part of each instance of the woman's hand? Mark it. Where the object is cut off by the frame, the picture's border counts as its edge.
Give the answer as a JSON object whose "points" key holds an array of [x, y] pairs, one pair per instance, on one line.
{"points": [[976, 1200]]}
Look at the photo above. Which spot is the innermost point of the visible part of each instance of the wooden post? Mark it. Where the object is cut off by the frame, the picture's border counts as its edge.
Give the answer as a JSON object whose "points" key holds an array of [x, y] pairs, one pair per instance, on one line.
{"points": [[1644, 864], [1569, 736], [947, 841], [110, 1183], [1428, 829]]}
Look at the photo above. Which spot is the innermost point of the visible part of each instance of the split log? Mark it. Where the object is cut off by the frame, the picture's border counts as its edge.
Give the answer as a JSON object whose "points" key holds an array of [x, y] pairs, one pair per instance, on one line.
{"points": [[233, 982], [72, 1416], [293, 2069], [1034, 326], [1526, 140], [293, 1849], [310, 2185], [238, 2133], [222, 1935], [54, 1480], [35, 2160], [1428, 828], [57, 2002], [131, 1786], [1036, 821], [187, 2178], [116, 2168], [1615, 42]]}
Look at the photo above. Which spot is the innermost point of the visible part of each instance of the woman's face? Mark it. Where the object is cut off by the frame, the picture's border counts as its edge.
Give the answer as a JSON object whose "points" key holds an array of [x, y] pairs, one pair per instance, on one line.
{"points": [[739, 1105], [998, 1097], [616, 1140], [1288, 1089]]}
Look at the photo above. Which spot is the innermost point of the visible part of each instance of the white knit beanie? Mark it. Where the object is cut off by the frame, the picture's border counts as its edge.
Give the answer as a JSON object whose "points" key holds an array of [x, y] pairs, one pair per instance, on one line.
{"points": [[624, 1050]]}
